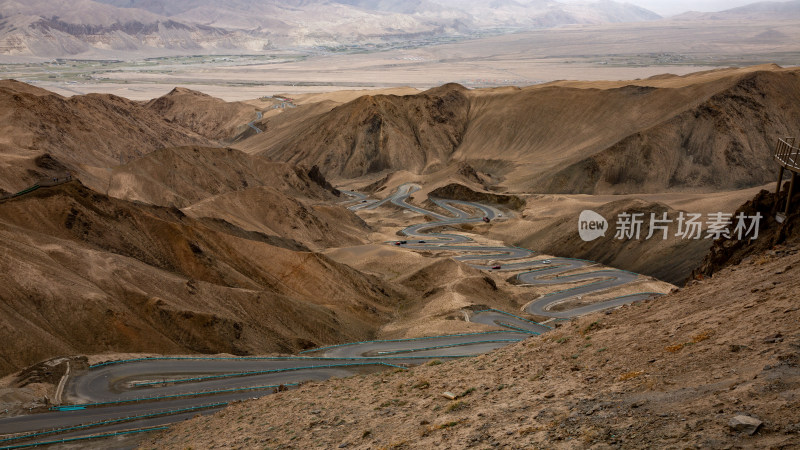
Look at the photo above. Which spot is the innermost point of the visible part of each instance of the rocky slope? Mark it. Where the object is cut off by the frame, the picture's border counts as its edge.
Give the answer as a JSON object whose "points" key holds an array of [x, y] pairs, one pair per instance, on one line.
{"points": [[670, 260], [43, 133], [725, 252], [671, 372], [205, 115], [724, 142], [375, 133], [86, 273], [702, 132], [248, 191], [182, 176], [265, 209]]}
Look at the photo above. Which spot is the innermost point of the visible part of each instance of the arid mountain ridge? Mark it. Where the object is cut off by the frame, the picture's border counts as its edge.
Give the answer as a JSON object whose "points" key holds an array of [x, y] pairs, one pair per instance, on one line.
{"points": [[87, 272], [708, 131], [155, 200]]}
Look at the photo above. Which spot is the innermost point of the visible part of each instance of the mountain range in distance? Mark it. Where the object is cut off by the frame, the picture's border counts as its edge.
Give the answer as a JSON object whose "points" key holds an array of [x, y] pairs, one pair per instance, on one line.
{"points": [[108, 28]]}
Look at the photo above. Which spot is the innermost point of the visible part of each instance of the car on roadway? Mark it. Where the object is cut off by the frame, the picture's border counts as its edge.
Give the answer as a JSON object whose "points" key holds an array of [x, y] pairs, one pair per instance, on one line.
{"points": [[496, 267], [486, 219], [420, 242], [401, 243], [546, 261]]}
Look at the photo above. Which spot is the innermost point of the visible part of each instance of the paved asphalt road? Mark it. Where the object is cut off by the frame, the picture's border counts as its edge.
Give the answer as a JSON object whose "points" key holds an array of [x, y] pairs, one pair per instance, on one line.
{"points": [[545, 271], [179, 388]]}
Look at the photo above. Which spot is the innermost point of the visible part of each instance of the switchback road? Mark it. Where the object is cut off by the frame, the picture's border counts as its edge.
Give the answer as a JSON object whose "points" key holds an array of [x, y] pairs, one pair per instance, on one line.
{"points": [[111, 397]]}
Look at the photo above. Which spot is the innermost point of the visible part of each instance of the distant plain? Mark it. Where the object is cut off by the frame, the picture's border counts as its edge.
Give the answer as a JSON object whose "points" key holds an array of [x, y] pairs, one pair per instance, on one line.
{"points": [[597, 52]]}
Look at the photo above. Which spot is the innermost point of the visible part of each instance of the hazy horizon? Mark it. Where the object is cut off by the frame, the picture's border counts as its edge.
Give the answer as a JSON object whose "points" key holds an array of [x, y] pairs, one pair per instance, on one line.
{"points": [[673, 7]]}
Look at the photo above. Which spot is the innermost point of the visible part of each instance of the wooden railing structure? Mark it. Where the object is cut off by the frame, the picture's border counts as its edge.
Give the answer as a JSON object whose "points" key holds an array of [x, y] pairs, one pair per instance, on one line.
{"points": [[787, 154]]}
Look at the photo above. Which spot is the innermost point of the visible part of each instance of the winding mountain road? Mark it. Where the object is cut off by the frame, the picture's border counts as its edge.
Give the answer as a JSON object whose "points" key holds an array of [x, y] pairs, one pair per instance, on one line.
{"points": [[151, 392], [539, 272], [251, 124]]}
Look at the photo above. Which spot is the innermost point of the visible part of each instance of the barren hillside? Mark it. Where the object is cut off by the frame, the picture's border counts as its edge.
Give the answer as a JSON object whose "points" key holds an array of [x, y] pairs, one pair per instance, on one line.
{"points": [[724, 142], [183, 176], [702, 132], [207, 116], [671, 259], [84, 134], [85, 273], [376, 133], [267, 210], [670, 372], [248, 191]]}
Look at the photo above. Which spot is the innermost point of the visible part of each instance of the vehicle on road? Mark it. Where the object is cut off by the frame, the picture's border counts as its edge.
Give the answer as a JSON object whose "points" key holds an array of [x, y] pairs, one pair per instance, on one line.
{"points": [[486, 219], [496, 267], [546, 261]]}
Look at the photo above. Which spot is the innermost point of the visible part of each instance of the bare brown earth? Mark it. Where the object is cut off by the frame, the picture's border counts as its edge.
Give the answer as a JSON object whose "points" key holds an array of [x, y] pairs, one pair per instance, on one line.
{"points": [[84, 134], [670, 372], [86, 273], [247, 191], [700, 132], [460, 192], [725, 252], [267, 210], [670, 259], [205, 115], [375, 133], [183, 176]]}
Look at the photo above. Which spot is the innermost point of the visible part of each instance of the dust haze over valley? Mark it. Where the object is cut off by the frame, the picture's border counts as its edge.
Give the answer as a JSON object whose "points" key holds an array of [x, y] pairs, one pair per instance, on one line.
{"points": [[203, 204]]}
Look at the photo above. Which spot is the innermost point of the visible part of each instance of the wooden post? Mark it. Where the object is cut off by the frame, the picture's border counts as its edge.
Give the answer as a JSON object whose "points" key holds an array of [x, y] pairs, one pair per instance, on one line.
{"points": [[791, 191], [780, 178]]}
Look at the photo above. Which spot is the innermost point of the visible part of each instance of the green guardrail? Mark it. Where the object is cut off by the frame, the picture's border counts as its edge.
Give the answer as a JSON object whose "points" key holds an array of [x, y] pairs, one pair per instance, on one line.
{"points": [[84, 438], [169, 397], [25, 191], [113, 421], [264, 372]]}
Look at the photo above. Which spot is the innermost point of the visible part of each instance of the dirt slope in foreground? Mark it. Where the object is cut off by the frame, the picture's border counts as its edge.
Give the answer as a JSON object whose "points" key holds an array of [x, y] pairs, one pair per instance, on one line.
{"points": [[670, 373]]}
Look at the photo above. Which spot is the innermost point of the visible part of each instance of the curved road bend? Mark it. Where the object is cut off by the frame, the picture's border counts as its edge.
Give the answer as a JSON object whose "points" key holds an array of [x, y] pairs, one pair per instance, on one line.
{"points": [[179, 388], [543, 273], [251, 124], [112, 393]]}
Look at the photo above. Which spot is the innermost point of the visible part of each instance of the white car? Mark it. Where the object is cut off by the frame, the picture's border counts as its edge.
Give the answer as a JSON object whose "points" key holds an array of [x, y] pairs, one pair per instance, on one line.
{"points": [[546, 261]]}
